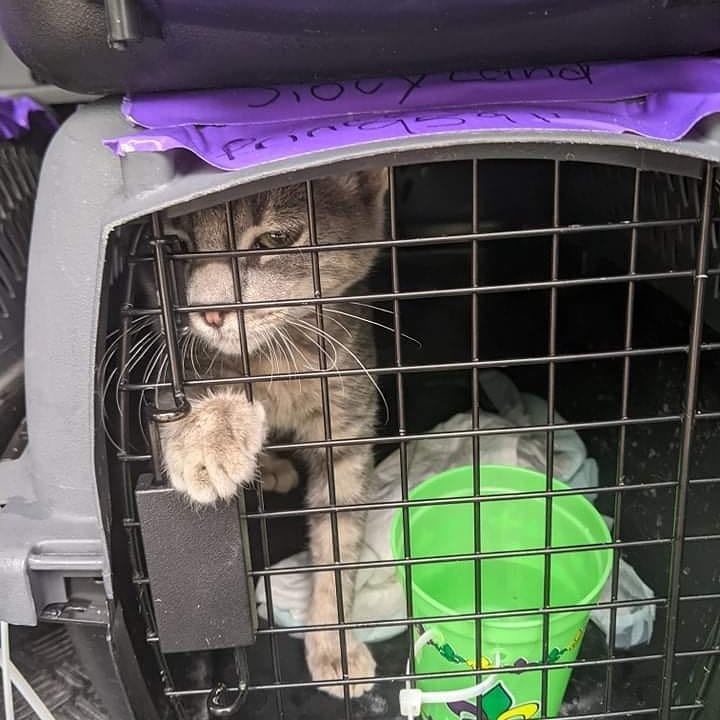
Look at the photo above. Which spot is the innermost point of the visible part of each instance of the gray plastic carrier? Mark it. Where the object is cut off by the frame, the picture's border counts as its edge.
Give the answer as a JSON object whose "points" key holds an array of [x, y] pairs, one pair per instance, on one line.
{"points": [[54, 527], [51, 526]]}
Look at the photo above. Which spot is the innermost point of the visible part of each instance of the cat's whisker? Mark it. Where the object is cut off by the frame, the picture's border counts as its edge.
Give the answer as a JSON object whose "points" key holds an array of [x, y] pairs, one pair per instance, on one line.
{"points": [[112, 348], [333, 345], [361, 365], [185, 341], [373, 322], [274, 360], [135, 323], [103, 375], [262, 350], [333, 360], [160, 361], [152, 364], [372, 307], [342, 327], [187, 355], [349, 334], [193, 354], [288, 352], [105, 380], [141, 424], [264, 353], [213, 360], [195, 345], [138, 351], [105, 415], [267, 351], [183, 345], [282, 350], [142, 395], [105, 364], [297, 349], [106, 386], [276, 340]]}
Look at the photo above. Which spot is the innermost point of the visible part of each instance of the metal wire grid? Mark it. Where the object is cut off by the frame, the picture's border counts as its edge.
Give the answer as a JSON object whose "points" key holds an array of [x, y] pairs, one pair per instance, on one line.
{"points": [[166, 258]]}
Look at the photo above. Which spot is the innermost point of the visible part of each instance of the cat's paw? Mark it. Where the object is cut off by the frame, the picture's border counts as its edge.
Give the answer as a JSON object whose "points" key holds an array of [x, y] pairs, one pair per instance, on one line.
{"points": [[213, 451], [278, 474], [322, 651]]}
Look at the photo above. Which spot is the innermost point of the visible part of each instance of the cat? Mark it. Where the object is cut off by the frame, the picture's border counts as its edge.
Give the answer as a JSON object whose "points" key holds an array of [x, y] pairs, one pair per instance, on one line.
{"points": [[216, 449]]}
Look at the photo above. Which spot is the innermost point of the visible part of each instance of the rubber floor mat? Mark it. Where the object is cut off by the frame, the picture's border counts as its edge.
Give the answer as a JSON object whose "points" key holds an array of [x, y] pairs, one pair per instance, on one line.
{"points": [[47, 659]]}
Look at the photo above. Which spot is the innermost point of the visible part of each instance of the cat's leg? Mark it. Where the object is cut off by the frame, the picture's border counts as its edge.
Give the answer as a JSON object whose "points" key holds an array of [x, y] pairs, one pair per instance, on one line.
{"points": [[214, 450], [351, 466], [279, 475]]}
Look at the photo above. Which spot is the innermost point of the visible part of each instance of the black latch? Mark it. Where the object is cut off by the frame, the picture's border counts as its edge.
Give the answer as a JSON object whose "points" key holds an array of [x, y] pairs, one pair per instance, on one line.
{"points": [[197, 561], [225, 703]]}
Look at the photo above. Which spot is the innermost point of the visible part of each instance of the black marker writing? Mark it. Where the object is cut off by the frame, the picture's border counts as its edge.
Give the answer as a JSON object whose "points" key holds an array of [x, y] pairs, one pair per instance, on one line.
{"points": [[571, 73], [236, 145], [397, 91], [480, 76], [390, 126], [368, 91], [274, 95], [491, 115], [440, 120], [412, 85], [532, 72], [262, 144], [577, 72], [315, 131], [327, 92], [380, 124], [544, 118]]}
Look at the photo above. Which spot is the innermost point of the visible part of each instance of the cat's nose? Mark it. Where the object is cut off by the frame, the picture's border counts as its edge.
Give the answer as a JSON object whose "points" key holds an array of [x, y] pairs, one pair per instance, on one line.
{"points": [[213, 318]]}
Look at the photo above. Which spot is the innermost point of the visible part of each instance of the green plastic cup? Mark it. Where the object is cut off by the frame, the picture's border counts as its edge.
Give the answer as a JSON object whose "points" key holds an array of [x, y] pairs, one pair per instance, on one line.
{"points": [[445, 589]]}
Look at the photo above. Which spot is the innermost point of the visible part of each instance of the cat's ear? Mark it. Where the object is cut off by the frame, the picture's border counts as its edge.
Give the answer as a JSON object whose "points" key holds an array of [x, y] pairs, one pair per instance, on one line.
{"points": [[369, 186]]}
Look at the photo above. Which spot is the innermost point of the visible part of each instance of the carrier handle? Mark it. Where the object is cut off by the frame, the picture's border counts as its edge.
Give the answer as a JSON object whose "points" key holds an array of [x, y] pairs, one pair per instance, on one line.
{"points": [[412, 699]]}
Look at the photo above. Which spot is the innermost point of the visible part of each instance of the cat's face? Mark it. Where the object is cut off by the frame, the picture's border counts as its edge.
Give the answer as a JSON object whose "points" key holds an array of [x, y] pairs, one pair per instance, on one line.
{"points": [[347, 209]]}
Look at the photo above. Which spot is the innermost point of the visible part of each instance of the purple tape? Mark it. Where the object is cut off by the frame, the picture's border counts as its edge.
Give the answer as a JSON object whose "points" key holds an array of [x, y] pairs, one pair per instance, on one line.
{"points": [[233, 129], [17, 114]]}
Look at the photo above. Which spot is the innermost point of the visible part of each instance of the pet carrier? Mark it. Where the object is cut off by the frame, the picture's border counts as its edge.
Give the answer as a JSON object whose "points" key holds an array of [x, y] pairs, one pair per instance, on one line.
{"points": [[578, 267]]}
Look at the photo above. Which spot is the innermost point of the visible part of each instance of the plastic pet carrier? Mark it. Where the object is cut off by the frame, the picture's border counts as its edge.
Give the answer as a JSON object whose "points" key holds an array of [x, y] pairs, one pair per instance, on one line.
{"points": [[442, 406], [576, 269]]}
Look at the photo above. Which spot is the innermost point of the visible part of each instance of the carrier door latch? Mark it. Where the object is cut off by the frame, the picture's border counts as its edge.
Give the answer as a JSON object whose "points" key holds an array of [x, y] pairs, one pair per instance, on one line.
{"points": [[221, 702], [198, 569]]}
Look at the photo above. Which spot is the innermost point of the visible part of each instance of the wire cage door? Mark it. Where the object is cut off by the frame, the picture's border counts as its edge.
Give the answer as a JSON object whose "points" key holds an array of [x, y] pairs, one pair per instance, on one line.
{"points": [[590, 286]]}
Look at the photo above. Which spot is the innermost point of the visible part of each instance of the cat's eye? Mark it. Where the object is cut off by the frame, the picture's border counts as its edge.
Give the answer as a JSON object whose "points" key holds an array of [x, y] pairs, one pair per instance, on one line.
{"points": [[273, 239]]}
